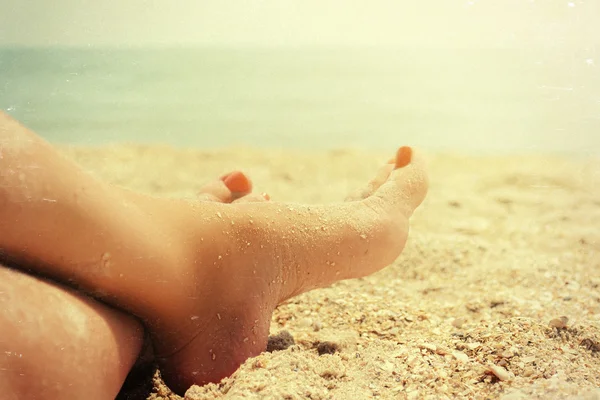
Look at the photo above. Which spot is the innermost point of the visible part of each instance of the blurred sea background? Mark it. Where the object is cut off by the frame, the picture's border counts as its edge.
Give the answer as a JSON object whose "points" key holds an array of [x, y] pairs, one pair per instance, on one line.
{"points": [[502, 95]]}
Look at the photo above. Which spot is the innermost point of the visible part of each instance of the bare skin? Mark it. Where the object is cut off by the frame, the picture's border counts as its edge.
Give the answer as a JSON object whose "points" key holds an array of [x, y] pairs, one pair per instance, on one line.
{"points": [[204, 277], [59, 344], [90, 346]]}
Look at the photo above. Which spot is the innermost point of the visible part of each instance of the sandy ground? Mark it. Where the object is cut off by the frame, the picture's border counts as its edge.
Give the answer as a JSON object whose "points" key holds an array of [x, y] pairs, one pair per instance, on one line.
{"points": [[497, 294]]}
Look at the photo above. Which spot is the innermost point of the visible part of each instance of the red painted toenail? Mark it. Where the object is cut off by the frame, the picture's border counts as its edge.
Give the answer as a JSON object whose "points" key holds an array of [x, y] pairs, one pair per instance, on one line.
{"points": [[237, 182], [403, 156], [266, 196]]}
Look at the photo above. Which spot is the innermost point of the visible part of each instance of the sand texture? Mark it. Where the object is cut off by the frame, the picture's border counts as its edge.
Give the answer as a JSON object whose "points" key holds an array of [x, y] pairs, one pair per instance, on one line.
{"points": [[497, 294]]}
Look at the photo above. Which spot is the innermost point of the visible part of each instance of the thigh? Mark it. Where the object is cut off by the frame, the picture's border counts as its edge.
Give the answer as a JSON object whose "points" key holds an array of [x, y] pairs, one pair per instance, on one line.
{"points": [[57, 343]]}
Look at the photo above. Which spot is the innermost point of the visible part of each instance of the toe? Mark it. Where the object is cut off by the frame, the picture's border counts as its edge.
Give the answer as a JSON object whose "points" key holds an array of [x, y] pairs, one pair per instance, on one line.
{"points": [[228, 188], [382, 175], [407, 185], [215, 191], [238, 183]]}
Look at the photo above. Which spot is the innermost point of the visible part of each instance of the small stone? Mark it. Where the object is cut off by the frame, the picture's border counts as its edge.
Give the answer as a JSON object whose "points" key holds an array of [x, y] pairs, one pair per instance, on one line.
{"points": [[499, 372], [590, 344], [317, 325], [428, 346], [441, 351], [460, 356], [458, 322], [559, 323], [281, 341], [473, 346], [327, 348], [528, 371], [507, 354]]}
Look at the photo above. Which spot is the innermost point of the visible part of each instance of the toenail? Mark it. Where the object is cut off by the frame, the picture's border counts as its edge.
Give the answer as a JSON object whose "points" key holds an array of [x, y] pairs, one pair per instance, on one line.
{"points": [[403, 157], [237, 182], [266, 196]]}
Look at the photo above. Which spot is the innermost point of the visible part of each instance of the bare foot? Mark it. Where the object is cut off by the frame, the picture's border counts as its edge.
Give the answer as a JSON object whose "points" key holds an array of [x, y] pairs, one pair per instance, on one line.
{"points": [[234, 187], [249, 257], [203, 276]]}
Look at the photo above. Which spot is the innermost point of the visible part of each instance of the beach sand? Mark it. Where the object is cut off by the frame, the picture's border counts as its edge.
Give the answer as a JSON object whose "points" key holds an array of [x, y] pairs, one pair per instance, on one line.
{"points": [[497, 294]]}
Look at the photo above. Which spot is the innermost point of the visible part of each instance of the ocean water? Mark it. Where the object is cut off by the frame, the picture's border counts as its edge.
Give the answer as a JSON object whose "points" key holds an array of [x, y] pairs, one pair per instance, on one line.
{"points": [[489, 100]]}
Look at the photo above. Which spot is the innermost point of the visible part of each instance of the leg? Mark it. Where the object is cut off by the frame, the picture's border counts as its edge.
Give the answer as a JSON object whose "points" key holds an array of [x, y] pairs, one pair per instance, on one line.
{"points": [[58, 344], [203, 276]]}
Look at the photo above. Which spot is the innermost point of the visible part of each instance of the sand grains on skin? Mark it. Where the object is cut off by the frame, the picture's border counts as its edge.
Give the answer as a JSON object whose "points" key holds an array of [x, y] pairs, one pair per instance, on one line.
{"points": [[501, 247]]}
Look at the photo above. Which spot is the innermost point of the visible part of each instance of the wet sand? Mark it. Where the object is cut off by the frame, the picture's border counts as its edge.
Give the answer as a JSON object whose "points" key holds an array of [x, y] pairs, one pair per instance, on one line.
{"points": [[497, 294]]}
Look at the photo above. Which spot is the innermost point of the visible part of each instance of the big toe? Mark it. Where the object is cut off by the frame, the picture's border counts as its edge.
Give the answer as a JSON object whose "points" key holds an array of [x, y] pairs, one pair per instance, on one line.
{"points": [[226, 189], [406, 186]]}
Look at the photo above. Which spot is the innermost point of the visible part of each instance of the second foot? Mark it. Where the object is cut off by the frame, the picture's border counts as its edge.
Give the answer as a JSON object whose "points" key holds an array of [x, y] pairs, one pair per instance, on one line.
{"points": [[245, 258]]}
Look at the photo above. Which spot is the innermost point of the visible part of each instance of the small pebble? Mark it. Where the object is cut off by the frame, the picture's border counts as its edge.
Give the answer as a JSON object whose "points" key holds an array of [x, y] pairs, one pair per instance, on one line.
{"points": [[281, 341], [528, 371], [507, 354], [458, 322], [559, 323], [428, 346], [460, 356], [500, 372], [473, 346], [327, 348], [317, 326]]}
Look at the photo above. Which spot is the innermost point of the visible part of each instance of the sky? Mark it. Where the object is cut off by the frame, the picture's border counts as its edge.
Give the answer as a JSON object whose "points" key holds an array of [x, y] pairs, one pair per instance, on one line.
{"points": [[434, 23]]}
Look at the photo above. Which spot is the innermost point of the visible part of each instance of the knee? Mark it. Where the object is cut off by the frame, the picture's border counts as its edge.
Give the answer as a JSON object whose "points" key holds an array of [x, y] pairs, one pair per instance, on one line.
{"points": [[58, 344]]}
